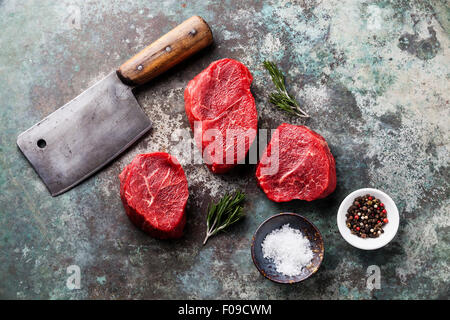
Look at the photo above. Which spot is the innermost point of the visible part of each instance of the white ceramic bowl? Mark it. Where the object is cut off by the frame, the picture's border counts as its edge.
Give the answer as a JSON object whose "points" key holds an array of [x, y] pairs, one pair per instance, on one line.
{"points": [[390, 229]]}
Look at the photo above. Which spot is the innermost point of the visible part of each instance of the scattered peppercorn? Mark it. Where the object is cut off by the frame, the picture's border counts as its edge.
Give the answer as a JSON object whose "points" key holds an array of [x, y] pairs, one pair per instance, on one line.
{"points": [[371, 211]]}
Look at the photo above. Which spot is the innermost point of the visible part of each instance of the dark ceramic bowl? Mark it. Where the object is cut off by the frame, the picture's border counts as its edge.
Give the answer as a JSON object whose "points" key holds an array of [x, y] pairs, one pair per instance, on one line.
{"points": [[296, 221]]}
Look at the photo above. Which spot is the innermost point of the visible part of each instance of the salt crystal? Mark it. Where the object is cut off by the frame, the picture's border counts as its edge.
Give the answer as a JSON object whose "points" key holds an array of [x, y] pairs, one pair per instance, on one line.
{"points": [[288, 249]]}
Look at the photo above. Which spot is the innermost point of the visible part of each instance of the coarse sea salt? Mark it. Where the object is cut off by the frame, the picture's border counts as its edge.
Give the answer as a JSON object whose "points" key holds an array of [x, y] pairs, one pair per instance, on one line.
{"points": [[288, 249]]}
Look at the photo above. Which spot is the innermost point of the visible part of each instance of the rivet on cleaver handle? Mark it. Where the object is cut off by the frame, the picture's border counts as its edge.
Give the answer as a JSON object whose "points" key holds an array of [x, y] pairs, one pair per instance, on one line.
{"points": [[85, 134]]}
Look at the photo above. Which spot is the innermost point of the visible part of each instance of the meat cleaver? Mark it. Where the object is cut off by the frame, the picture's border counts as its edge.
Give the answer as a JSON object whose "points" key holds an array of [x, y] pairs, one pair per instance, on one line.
{"points": [[85, 134]]}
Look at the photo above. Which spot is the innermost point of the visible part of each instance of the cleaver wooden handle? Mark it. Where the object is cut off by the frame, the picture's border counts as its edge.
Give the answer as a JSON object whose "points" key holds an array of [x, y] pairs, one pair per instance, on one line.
{"points": [[175, 46]]}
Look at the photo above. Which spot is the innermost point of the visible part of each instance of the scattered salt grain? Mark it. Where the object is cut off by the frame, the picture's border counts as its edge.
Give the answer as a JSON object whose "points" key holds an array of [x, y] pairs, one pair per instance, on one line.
{"points": [[288, 249]]}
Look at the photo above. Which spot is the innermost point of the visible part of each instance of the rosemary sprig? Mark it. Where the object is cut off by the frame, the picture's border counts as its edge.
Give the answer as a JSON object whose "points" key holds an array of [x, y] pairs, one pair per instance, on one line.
{"points": [[224, 213], [281, 98]]}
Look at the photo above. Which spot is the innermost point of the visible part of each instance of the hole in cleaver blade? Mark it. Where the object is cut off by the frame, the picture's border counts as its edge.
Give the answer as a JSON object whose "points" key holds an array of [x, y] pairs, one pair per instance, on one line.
{"points": [[84, 135]]}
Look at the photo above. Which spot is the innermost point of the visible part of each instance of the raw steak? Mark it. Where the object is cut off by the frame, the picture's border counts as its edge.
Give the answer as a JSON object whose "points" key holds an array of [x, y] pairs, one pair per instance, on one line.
{"points": [[218, 102], [154, 193], [306, 167]]}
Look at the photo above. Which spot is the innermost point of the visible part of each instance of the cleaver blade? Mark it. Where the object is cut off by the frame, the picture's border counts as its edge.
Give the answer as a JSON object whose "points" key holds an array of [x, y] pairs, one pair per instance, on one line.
{"points": [[85, 134]]}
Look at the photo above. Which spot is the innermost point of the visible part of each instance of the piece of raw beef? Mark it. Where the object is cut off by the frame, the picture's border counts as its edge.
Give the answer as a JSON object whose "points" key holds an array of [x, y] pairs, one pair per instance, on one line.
{"points": [[301, 168], [154, 193], [222, 113]]}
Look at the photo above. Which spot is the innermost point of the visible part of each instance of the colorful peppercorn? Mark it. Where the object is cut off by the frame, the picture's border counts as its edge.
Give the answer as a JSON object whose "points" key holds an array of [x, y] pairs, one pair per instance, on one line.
{"points": [[366, 217]]}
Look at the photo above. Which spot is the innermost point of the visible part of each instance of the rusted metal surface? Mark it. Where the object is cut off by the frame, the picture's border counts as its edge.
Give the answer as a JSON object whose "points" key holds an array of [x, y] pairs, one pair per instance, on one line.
{"points": [[373, 75]]}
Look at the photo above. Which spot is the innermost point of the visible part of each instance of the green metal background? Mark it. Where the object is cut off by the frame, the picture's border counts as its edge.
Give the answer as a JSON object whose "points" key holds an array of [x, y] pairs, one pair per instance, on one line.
{"points": [[374, 76]]}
